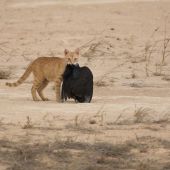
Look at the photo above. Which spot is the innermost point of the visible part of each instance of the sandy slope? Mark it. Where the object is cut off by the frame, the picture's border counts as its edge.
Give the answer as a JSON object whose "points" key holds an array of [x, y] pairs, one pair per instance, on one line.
{"points": [[119, 33]]}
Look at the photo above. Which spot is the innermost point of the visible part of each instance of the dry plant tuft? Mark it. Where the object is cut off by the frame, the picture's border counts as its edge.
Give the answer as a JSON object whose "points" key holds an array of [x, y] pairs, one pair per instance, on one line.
{"points": [[166, 77], [165, 43], [80, 125], [100, 83], [133, 75], [28, 124], [91, 50], [164, 119], [135, 85], [100, 115], [156, 46], [145, 165], [76, 120], [5, 74], [148, 51], [158, 74], [167, 166], [140, 114], [83, 129]]}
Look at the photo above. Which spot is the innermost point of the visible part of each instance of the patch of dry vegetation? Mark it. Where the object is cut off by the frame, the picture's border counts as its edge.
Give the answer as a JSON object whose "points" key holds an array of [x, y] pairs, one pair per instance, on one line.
{"points": [[100, 83], [82, 126], [166, 78], [144, 115], [69, 155], [83, 129], [157, 47], [28, 124], [5, 74], [141, 113]]}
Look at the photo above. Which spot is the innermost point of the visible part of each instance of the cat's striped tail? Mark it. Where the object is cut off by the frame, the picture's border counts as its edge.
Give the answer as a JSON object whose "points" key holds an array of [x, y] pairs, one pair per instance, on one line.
{"points": [[22, 78]]}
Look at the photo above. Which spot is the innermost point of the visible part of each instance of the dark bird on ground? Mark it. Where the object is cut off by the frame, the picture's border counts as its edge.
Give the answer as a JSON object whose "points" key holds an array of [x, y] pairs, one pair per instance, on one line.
{"points": [[77, 84]]}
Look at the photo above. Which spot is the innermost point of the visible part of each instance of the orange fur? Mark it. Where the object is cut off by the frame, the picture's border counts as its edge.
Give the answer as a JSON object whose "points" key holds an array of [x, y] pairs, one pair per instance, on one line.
{"points": [[46, 69]]}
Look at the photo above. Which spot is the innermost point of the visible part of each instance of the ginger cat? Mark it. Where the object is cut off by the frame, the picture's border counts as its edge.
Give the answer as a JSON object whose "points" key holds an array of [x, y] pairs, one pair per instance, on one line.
{"points": [[46, 69]]}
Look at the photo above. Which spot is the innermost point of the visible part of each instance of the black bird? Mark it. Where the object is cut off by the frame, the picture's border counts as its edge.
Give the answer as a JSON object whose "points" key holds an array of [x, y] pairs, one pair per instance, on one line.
{"points": [[77, 84]]}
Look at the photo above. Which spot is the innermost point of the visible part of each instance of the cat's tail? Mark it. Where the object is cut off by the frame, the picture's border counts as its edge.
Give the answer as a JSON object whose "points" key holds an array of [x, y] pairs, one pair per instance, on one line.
{"points": [[22, 78]]}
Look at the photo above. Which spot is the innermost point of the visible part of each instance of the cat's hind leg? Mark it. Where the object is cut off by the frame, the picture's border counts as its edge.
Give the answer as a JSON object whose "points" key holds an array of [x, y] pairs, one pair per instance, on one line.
{"points": [[41, 88], [36, 84]]}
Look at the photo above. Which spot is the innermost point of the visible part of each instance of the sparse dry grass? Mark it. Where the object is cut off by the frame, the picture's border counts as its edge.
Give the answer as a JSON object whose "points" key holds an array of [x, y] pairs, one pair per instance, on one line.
{"points": [[69, 155], [141, 113], [28, 124], [144, 115], [133, 75], [157, 74], [135, 85], [5, 74], [100, 83], [166, 78], [81, 128], [167, 166], [163, 119]]}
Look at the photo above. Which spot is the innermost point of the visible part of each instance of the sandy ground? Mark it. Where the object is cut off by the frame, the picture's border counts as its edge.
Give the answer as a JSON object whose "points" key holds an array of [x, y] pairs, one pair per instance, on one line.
{"points": [[120, 41]]}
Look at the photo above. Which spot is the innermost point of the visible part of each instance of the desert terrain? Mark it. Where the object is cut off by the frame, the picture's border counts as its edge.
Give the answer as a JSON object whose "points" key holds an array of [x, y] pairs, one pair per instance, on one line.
{"points": [[126, 45]]}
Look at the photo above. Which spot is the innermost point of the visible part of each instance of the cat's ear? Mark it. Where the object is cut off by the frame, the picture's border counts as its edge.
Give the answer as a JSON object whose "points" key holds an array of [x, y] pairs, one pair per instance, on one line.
{"points": [[66, 52], [77, 51]]}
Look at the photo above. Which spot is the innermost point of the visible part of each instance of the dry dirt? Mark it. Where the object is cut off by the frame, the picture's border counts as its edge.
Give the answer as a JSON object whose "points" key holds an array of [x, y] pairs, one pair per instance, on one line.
{"points": [[127, 124]]}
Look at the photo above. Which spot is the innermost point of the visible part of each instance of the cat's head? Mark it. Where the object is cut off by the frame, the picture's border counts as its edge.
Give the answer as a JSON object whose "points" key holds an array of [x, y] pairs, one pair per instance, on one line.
{"points": [[72, 56]]}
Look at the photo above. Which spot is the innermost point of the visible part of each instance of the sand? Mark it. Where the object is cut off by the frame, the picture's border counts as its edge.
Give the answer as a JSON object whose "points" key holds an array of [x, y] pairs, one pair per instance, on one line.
{"points": [[131, 85]]}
